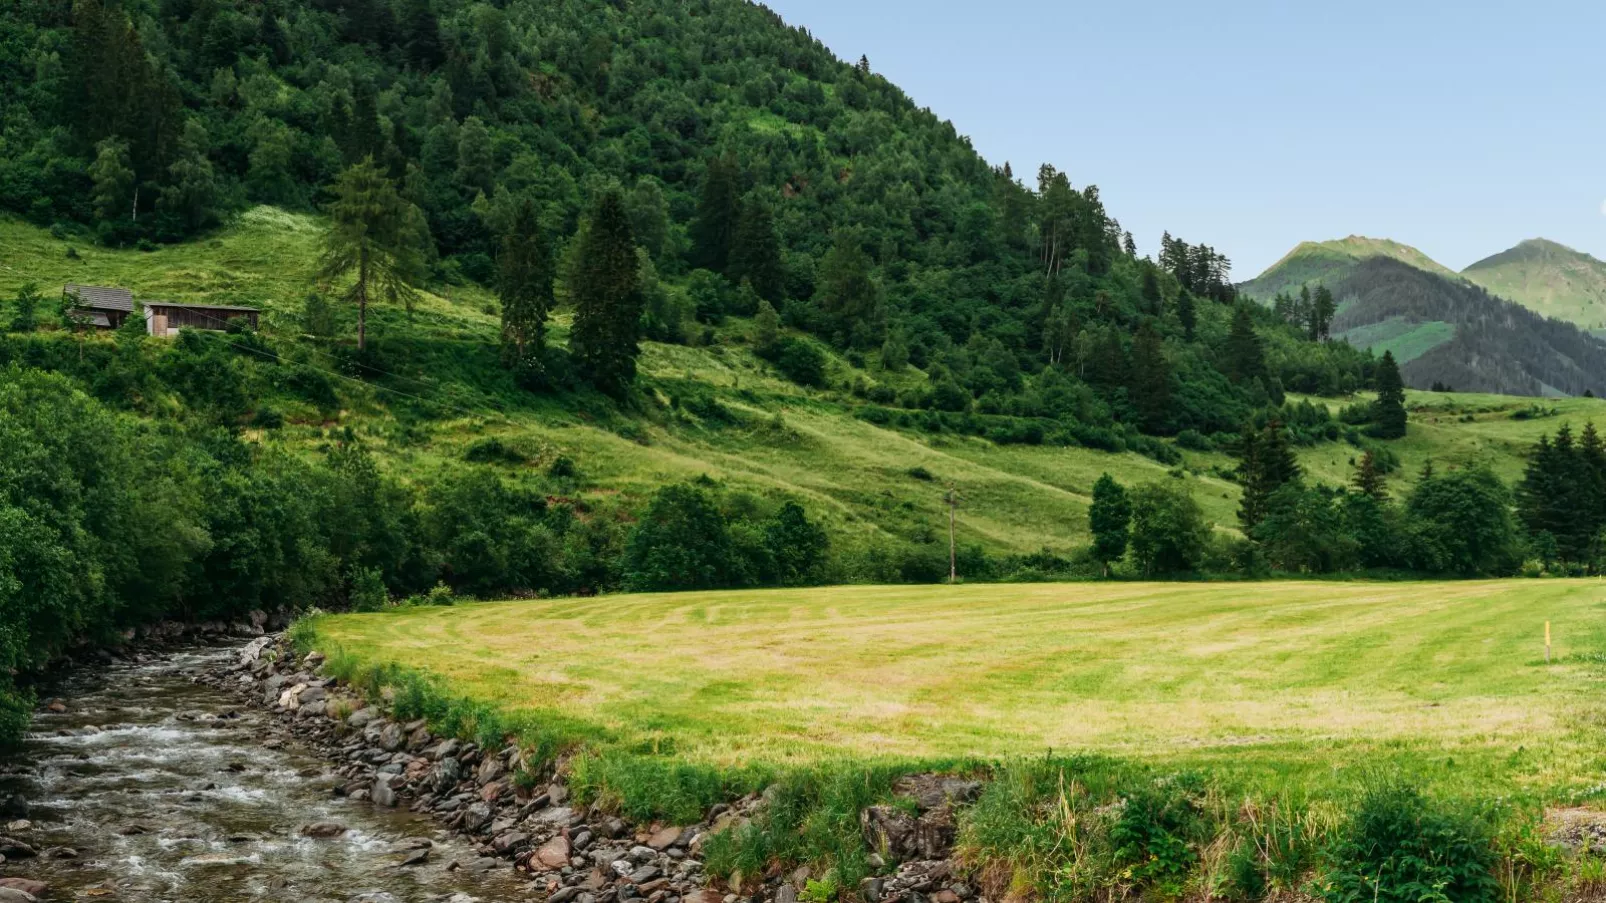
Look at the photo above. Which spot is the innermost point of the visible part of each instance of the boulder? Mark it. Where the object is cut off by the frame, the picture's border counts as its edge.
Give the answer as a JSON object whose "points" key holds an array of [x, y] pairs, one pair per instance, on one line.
{"points": [[554, 854], [664, 838], [26, 885], [12, 895], [323, 829]]}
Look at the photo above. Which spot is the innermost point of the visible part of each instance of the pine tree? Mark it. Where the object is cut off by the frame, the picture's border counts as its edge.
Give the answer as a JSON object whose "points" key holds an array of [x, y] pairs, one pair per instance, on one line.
{"points": [[422, 32], [849, 294], [271, 37], [1244, 359], [1153, 302], [1369, 479], [607, 299], [1389, 410], [756, 251], [713, 232], [1151, 379], [524, 282], [1322, 308], [1110, 521], [376, 237], [1185, 314], [1266, 463]]}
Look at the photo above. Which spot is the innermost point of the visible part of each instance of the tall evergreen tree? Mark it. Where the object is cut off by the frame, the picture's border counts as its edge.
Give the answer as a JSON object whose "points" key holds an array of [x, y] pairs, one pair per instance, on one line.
{"points": [[1322, 308], [1389, 411], [1186, 315], [849, 293], [1369, 479], [1266, 463], [524, 281], [713, 232], [1110, 521], [607, 299], [1243, 357], [376, 238], [1151, 379], [756, 251]]}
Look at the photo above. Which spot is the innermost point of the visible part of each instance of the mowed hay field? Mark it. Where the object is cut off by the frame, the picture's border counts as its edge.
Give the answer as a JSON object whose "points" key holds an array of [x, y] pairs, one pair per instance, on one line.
{"points": [[1288, 683]]}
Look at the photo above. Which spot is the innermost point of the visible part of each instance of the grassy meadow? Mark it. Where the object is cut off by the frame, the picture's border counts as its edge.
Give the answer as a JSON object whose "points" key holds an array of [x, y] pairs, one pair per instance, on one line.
{"points": [[1263, 684]]}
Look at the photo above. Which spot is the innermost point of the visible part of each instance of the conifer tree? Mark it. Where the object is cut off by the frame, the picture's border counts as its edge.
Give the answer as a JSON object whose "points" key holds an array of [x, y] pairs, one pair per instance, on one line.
{"points": [[377, 238], [524, 282], [1322, 308], [766, 328], [756, 251], [1153, 303], [1186, 314], [1243, 358], [713, 232], [1266, 463], [849, 292], [607, 299], [1110, 521], [1151, 379], [1369, 479], [1389, 411]]}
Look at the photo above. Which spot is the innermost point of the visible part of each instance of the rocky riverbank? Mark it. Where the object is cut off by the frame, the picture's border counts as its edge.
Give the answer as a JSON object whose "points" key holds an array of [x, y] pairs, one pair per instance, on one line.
{"points": [[531, 825]]}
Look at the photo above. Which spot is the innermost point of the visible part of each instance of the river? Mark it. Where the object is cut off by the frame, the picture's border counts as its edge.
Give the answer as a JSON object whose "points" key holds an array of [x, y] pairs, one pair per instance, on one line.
{"points": [[171, 790]]}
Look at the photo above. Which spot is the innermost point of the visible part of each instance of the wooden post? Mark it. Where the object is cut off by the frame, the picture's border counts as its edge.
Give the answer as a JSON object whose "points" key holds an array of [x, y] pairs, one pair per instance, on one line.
{"points": [[951, 499]]}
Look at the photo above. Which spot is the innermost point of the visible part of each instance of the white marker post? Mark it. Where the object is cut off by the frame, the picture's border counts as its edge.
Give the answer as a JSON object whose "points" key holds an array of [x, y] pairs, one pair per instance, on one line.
{"points": [[1547, 642]]}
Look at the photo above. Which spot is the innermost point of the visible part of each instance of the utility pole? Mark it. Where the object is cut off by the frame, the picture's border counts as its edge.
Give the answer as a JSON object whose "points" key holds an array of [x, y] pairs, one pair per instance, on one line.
{"points": [[951, 498]]}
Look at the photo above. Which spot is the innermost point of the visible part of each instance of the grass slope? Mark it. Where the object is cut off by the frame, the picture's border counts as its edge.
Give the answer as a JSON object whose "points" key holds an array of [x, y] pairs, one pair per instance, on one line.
{"points": [[1266, 683], [1548, 278], [1408, 341], [860, 477]]}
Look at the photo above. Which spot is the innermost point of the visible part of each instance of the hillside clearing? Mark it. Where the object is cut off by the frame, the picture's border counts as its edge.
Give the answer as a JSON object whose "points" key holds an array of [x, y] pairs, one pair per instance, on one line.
{"points": [[1313, 683]]}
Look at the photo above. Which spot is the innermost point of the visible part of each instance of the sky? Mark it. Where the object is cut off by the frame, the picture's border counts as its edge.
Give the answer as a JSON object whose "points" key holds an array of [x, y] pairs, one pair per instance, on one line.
{"points": [[1460, 128]]}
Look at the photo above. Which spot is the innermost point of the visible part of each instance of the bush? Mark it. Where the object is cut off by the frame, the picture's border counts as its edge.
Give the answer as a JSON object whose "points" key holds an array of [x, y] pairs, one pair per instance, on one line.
{"points": [[801, 362], [494, 451], [1400, 847]]}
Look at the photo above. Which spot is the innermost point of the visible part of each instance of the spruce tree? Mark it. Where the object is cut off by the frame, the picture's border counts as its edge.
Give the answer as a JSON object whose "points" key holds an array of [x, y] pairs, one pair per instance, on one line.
{"points": [[607, 299], [1389, 410], [1153, 302], [1322, 308], [713, 232], [1151, 379], [1186, 314], [1266, 464], [756, 251], [1110, 521], [376, 238], [524, 282], [1243, 357], [1369, 479], [849, 294]]}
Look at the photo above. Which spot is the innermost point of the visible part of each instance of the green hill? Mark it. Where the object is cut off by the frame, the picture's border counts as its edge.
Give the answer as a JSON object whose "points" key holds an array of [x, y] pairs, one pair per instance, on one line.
{"points": [[713, 409], [1314, 262], [1446, 328], [1548, 278]]}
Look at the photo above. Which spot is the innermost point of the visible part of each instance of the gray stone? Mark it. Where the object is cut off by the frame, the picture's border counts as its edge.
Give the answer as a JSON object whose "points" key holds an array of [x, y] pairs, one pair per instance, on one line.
{"points": [[477, 816]]}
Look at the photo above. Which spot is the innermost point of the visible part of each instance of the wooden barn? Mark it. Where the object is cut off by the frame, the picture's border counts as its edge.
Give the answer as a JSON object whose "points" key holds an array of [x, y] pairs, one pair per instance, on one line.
{"points": [[101, 306], [166, 318]]}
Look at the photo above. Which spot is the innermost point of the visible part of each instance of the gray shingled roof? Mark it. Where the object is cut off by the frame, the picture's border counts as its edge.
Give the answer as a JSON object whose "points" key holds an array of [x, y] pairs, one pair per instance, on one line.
{"points": [[100, 297], [202, 307]]}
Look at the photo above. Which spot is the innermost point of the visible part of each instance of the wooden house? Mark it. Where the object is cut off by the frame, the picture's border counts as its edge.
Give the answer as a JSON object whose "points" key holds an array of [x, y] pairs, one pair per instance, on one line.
{"points": [[101, 306], [166, 318]]}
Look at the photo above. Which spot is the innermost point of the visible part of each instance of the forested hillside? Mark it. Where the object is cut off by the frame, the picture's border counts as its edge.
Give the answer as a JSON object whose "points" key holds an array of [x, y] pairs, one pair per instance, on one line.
{"points": [[1446, 329]]}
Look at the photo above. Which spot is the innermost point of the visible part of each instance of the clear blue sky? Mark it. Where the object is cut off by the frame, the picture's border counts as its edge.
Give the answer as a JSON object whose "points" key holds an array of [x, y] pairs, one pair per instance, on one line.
{"points": [[1458, 127]]}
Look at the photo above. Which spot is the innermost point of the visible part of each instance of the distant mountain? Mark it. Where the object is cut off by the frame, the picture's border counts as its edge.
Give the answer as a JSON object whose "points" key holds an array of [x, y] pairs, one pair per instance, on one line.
{"points": [[1325, 262], [1440, 325], [1548, 278]]}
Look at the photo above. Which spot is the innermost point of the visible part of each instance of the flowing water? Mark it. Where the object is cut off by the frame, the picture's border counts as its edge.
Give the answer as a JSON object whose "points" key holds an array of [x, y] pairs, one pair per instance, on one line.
{"points": [[166, 791]]}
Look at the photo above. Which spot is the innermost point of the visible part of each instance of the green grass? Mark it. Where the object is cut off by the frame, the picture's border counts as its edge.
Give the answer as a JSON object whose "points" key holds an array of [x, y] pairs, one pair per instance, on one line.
{"points": [[1265, 685], [1408, 341]]}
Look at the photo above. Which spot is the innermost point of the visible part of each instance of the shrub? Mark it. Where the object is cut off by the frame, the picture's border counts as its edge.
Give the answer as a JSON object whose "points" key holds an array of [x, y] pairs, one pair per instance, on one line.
{"points": [[494, 451], [801, 362], [1400, 847], [367, 592]]}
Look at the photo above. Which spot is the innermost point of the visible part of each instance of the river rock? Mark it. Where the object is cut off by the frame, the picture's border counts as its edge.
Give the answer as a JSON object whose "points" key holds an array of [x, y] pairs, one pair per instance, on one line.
{"points": [[381, 793], [477, 816], [664, 838], [26, 885], [361, 717], [554, 854], [323, 829], [490, 770], [12, 848], [445, 775], [391, 737], [416, 857], [12, 895]]}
